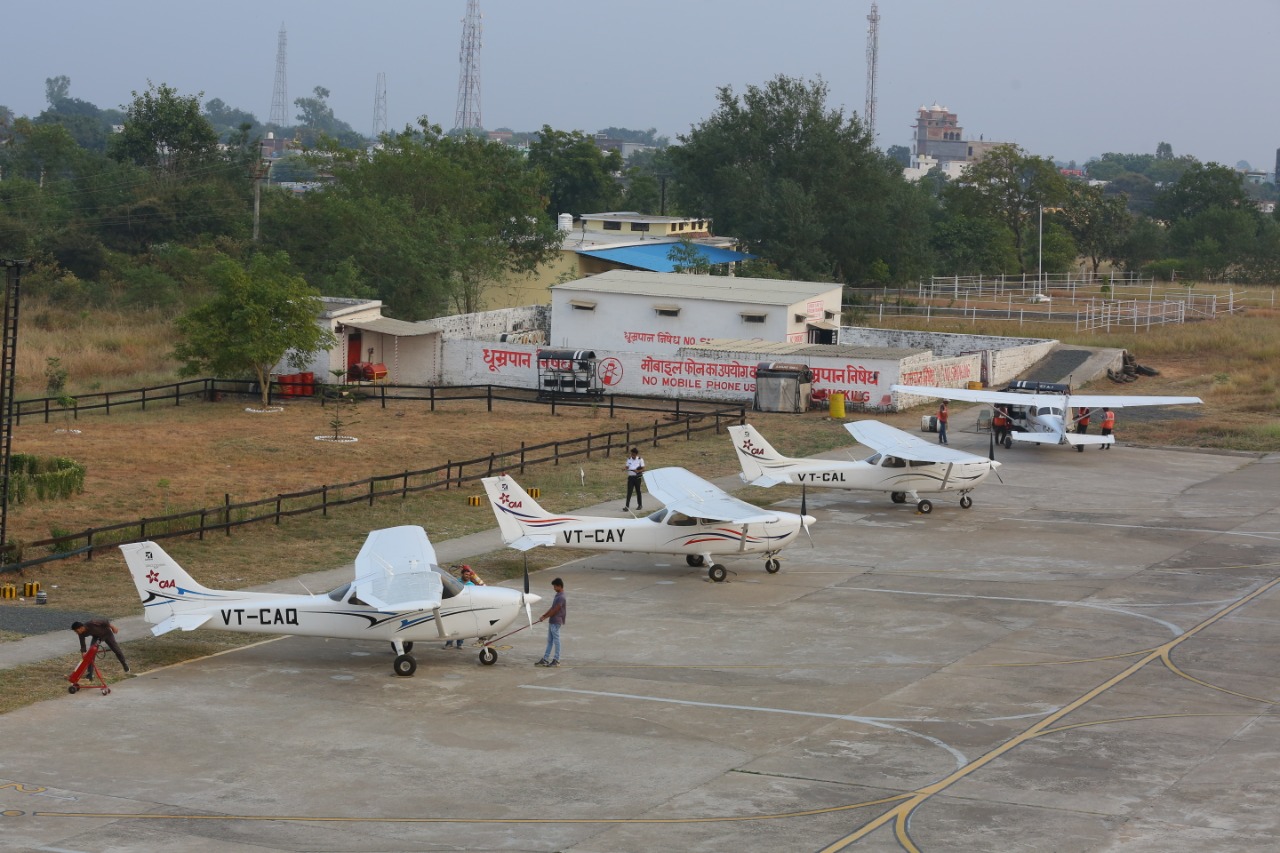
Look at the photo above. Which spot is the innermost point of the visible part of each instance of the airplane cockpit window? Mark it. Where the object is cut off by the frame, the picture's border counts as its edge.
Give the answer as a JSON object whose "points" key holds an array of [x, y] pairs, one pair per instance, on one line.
{"points": [[339, 593], [452, 586], [680, 519], [916, 463], [893, 462], [1049, 410], [658, 516]]}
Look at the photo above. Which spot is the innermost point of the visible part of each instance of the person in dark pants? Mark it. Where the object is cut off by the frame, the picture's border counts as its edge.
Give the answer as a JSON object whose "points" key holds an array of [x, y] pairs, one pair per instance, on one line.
{"points": [[1082, 421], [100, 631], [635, 468], [555, 619]]}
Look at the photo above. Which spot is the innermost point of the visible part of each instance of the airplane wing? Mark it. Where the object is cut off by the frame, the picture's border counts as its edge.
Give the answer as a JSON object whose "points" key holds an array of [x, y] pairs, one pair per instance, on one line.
{"points": [[968, 395], [1015, 398], [393, 570], [1117, 401], [685, 492], [894, 442]]}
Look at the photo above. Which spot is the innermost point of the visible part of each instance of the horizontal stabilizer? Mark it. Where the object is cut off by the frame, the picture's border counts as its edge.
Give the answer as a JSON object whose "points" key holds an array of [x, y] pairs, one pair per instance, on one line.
{"points": [[532, 540], [185, 621], [1037, 437], [1075, 438], [767, 481]]}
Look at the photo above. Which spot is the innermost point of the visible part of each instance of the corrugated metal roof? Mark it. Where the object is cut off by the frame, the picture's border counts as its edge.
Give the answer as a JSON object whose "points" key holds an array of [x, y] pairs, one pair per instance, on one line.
{"points": [[759, 291], [656, 257], [388, 326], [783, 348]]}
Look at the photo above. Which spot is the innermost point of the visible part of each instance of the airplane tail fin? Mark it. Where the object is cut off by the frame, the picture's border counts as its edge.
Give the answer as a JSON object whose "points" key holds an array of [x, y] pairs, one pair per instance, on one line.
{"points": [[169, 595], [520, 519], [754, 454]]}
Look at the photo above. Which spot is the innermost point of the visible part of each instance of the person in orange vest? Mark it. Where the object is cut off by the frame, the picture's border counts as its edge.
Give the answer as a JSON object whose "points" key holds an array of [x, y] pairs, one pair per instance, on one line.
{"points": [[1108, 424], [1000, 424], [942, 423], [1082, 421]]}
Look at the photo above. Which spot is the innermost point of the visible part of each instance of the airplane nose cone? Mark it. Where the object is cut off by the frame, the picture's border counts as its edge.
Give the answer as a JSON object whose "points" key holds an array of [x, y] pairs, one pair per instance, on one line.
{"points": [[995, 464], [808, 520], [532, 598]]}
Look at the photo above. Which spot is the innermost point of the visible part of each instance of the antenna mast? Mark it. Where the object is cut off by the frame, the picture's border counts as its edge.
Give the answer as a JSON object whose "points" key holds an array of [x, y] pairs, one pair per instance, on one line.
{"points": [[467, 116], [280, 96], [380, 106], [873, 60]]}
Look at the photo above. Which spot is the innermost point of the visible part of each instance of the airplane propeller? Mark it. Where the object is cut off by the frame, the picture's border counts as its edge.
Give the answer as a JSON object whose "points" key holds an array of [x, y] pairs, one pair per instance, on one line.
{"points": [[524, 599], [991, 450], [804, 513]]}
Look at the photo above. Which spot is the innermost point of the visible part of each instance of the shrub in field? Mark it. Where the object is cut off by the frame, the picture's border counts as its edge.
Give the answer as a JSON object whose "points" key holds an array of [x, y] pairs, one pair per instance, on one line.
{"points": [[49, 477]]}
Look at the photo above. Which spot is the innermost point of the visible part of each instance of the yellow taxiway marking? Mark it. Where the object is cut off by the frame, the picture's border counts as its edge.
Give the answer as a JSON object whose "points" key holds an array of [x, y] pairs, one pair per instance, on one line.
{"points": [[900, 813]]}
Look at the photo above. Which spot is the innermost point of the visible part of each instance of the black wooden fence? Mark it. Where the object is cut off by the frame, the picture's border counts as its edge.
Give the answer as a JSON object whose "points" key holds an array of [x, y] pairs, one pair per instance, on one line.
{"points": [[451, 475]]}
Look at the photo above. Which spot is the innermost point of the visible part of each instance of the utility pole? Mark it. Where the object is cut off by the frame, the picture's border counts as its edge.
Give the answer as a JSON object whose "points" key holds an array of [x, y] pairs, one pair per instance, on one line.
{"points": [[8, 367]]}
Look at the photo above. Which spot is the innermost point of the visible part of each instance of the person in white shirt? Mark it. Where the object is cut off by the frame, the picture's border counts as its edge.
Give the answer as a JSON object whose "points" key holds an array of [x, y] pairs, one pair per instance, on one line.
{"points": [[635, 467]]}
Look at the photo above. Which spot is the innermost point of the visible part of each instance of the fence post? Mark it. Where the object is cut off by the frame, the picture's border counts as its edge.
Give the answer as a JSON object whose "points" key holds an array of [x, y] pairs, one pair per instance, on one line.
{"points": [[278, 501], [371, 484], [553, 402], [488, 390], [448, 474], [588, 446], [106, 400], [203, 513], [382, 393], [88, 541], [556, 453], [144, 399], [226, 511], [404, 486], [490, 474], [432, 395], [688, 428], [324, 501], [655, 432], [613, 397], [522, 459]]}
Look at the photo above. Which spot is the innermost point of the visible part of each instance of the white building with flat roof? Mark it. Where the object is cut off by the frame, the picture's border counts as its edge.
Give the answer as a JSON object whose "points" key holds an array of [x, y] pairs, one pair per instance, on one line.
{"points": [[652, 312]]}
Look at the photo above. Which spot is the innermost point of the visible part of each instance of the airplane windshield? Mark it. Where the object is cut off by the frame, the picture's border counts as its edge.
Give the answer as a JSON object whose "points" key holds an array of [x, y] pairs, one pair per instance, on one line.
{"points": [[452, 586], [658, 516], [873, 459], [339, 593]]}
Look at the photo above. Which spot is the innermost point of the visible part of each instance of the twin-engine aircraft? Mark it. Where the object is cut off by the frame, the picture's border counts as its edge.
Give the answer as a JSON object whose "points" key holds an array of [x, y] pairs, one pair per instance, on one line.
{"points": [[903, 465], [1046, 418], [697, 520], [399, 594]]}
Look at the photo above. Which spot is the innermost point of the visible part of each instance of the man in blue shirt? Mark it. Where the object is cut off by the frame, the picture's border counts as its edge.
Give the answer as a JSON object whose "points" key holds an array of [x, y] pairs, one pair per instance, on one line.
{"points": [[554, 617]]}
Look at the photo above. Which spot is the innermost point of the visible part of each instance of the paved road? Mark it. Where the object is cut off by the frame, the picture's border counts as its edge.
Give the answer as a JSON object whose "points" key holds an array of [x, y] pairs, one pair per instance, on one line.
{"points": [[1083, 661]]}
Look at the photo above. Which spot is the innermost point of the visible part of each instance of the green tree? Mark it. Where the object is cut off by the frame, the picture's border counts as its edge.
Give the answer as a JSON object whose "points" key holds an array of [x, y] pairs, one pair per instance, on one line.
{"points": [[1010, 187], [801, 185], [262, 312], [427, 222], [579, 176], [318, 122], [165, 131], [1200, 188], [686, 258], [899, 154], [1098, 223]]}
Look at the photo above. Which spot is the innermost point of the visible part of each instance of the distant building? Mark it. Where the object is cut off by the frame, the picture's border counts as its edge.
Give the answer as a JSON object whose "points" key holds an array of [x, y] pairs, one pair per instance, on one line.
{"points": [[626, 149], [940, 143]]}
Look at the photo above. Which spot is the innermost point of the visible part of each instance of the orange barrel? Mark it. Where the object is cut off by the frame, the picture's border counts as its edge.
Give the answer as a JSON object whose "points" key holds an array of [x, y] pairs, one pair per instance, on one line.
{"points": [[308, 384]]}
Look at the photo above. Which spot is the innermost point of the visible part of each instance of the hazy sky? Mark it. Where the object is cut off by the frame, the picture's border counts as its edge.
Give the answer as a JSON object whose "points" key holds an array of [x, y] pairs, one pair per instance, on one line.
{"points": [[1064, 78]]}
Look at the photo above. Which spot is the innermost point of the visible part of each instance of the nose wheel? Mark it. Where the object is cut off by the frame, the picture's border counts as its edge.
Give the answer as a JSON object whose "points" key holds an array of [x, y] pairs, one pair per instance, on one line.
{"points": [[717, 573], [772, 566], [404, 665], [965, 501], [488, 656], [925, 506]]}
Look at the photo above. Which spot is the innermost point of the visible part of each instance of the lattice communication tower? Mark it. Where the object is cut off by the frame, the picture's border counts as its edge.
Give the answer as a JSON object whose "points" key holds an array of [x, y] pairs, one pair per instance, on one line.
{"points": [[380, 106], [467, 116], [873, 60], [280, 95]]}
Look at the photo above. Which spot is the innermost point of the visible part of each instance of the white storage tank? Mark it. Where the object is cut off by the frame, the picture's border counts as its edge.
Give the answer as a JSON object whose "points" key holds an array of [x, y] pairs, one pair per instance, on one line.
{"points": [[565, 222]]}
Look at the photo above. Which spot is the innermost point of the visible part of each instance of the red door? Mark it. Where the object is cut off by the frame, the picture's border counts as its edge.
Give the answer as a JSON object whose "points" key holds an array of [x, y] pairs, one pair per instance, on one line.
{"points": [[354, 342]]}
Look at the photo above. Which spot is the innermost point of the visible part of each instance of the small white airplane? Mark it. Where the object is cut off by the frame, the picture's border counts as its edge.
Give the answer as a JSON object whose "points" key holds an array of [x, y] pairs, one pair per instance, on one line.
{"points": [[903, 465], [697, 520], [1043, 416], [399, 594]]}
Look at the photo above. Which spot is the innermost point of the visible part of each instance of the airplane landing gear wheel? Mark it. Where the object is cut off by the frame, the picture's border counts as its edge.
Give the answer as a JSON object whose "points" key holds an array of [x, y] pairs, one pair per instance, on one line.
{"points": [[899, 497], [73, 689], [717, 573], [106, 690], [966, 502], [488, 656], [694, 560], [404, 666], [772, 566], [924, 507]]}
